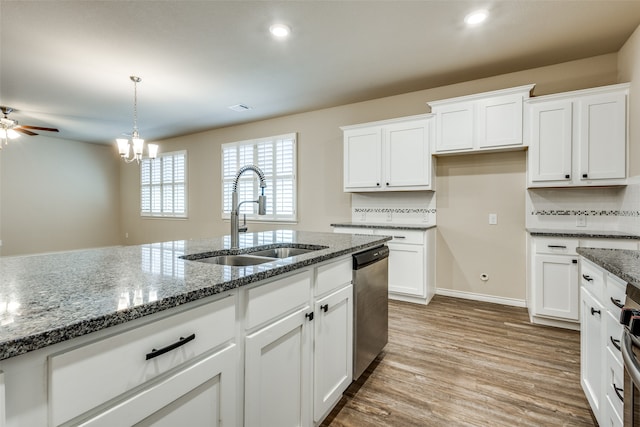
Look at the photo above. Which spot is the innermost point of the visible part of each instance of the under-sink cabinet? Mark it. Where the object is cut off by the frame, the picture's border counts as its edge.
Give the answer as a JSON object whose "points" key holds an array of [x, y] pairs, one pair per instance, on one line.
{"points": [[553, 284], [390, 155], [578, 138], [601, 366], [480, 122], [277, 352], [411, 261]]}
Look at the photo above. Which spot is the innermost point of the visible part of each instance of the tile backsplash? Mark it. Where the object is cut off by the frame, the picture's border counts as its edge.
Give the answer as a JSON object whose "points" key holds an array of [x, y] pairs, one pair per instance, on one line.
{"points": [[416, 207], [589, 209]]}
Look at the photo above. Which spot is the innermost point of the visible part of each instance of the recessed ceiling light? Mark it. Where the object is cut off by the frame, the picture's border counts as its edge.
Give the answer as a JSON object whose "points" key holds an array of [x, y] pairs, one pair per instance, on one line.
{"points": [[477, 17], [279, 30]]}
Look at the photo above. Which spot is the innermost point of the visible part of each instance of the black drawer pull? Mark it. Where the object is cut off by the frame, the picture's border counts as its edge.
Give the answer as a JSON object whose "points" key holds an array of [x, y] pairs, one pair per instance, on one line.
{"points": [[615, 342], [163, 350], [399, 237], [587, 278], [557, 246], [567, 176], [618, 391], [324, 307], [309, 316], [594, 311], [584, 175], [617, 302]]}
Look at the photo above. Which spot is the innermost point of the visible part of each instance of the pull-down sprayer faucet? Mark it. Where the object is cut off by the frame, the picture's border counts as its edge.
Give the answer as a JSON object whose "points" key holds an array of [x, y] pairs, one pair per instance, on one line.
{"points": [[235, 206]]}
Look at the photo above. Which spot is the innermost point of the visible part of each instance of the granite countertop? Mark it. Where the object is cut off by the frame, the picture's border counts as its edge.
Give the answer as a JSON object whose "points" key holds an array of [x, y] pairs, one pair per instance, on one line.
{"points": [[387, 225], [623, 263], [583, 234], [50, 298]]}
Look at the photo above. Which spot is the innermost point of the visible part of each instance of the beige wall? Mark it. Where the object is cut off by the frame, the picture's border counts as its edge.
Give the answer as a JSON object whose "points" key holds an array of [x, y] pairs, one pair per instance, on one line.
{"points": [[58, 195], [468, 187], [629, 71]]}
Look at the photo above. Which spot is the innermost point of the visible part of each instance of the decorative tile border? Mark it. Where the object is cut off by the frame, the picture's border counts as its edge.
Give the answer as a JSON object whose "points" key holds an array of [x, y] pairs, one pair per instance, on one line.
{"points": [[572, 212], [394, 210]]}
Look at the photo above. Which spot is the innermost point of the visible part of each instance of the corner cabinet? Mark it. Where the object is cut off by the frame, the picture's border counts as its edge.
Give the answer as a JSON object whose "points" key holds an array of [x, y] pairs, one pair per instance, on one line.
{"points": [[487, 121], [578, 138], [391, 155]]}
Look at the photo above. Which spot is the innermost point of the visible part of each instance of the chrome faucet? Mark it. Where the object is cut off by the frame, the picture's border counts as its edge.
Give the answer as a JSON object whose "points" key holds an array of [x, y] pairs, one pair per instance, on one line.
{"points": [[235, 206]]}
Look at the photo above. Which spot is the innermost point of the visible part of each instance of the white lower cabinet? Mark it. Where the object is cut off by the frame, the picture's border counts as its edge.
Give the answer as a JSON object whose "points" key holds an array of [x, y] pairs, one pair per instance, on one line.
{"points": [[601, 368], [277, 373], [412, 269]]}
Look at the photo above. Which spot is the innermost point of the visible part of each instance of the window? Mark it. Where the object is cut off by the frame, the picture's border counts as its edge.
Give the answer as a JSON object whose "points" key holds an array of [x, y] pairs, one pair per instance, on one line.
{"points": [[276, 157], [163, 185]]}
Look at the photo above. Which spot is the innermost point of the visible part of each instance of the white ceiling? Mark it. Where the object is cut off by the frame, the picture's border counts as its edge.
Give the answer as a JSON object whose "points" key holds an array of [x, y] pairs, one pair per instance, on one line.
{"points": [[66, 64]]}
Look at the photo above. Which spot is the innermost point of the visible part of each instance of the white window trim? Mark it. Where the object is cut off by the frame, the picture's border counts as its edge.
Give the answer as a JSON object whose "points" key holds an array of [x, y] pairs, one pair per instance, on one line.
{"points": [[286, 218], [168, 215]]}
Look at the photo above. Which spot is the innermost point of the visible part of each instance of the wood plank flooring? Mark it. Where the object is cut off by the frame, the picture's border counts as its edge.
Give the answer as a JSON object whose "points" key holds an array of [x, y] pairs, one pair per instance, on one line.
{"points": [[457, 362]]}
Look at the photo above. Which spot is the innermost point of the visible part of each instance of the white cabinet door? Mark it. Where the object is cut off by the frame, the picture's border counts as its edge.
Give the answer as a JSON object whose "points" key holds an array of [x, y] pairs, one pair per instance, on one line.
{"points": [[500, 121], [455, 127], [333, 349], [551, 141], [407, 155], [362, 159], [592, 351], [278, 373], [201, 395], [406, 269], [602, 137], [556, 287]]}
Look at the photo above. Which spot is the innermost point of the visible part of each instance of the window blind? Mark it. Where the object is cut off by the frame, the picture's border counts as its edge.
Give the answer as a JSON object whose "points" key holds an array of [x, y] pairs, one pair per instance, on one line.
{"points": [[276, 157], [163, 185]]}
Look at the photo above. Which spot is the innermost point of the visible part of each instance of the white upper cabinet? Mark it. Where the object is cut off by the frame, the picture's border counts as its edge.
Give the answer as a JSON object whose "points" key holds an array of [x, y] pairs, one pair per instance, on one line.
{"points": [[487, 121], [578, 138], [392, 155]]}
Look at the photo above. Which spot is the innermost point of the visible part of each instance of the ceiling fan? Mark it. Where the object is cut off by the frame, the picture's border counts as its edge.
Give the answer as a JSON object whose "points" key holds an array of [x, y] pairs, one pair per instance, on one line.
{"points": [[9, 128]]}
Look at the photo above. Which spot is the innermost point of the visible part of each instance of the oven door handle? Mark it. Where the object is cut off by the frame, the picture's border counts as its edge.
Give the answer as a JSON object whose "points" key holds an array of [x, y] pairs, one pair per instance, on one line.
{"points": [[631, 365]]}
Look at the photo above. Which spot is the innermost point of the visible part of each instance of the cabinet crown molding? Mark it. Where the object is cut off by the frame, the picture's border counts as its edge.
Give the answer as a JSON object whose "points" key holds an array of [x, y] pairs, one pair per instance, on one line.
{"points": [[388, 121], [581, 92], [525, 90]]}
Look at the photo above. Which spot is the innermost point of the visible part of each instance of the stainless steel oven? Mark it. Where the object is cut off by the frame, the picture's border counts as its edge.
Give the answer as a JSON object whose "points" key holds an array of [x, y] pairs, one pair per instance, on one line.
{"points": [[630, 318]]}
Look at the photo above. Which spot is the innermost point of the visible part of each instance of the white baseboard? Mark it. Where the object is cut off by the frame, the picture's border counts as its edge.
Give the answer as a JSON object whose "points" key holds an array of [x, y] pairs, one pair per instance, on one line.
{"points": [[481, 297]]}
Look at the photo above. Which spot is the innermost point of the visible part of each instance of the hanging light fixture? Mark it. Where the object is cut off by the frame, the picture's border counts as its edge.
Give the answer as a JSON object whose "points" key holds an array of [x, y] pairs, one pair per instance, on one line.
{"points": [[124, 145]]}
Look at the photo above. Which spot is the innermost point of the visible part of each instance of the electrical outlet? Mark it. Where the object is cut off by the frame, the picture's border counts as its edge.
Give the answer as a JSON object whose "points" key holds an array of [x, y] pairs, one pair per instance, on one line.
{"points": [[363, 216], [493, 219], [425, 217], [389, 216]]}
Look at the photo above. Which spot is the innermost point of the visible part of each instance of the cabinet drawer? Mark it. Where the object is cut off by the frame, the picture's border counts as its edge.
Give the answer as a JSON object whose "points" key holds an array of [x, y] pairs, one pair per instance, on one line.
{"points": [[615, 289], [592, 278], [614, 383], [403, 236], [613, 336], [548, 245], [275, 299], [84, 377], [334, 275]]}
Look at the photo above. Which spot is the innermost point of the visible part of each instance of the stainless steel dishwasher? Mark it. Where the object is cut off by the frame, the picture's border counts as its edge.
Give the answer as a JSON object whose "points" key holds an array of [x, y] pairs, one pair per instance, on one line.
{"points": [[370, 306]]}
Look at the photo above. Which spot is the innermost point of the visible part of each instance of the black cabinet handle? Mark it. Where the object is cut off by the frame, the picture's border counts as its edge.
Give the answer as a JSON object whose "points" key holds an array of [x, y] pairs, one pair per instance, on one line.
{"points": [[594, 311], [309, 316], [399, 237], [557, 246], [567, 176], [575, 261], [377, 184], [587, 278], [182, 341], [324, 307], [618, 391], [615, 342], [617, 302], [584, 175], [387, 184]]}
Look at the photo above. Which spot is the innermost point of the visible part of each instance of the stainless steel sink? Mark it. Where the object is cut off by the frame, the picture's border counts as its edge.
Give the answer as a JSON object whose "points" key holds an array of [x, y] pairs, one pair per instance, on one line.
{"points": [[282, 252], [242, 260]]}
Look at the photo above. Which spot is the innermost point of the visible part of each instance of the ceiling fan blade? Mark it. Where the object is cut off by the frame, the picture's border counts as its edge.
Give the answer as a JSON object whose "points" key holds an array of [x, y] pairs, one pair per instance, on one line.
{"points": [[26, 132], [39, 128]]}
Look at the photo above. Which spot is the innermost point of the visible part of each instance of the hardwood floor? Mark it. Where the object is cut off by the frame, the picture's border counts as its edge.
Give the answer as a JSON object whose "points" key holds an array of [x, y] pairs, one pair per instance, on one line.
{"points": [[457, 362]]}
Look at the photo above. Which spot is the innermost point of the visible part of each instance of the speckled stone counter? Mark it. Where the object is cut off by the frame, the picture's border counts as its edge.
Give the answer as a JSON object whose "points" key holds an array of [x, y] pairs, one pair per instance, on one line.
{"points": [[46, 299], [582, 234], [621, 262], [419, 227]]}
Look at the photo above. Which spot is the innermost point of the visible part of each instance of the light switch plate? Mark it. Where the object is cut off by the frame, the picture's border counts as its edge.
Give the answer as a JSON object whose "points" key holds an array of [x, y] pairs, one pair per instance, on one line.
{"points": [[493, 219], [581, 221]]}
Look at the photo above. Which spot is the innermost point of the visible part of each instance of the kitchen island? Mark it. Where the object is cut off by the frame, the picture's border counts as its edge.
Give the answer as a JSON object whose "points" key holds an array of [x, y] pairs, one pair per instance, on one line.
{"points": [[71, 321]]}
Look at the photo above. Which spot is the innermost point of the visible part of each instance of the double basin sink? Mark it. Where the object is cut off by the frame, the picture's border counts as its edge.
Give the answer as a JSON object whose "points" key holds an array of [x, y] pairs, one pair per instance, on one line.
{"points": [[259, 255]]}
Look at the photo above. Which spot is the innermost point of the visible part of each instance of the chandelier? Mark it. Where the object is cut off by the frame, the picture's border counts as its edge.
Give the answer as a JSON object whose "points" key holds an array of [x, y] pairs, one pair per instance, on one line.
{"points": [[124, 145]]}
